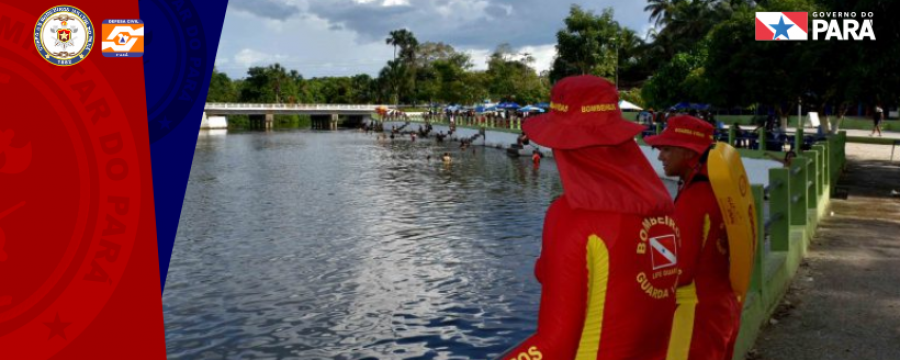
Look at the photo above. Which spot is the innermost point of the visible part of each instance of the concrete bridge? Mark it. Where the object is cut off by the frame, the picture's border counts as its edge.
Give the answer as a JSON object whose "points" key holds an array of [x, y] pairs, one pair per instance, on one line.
{"points": [[324, 116]]}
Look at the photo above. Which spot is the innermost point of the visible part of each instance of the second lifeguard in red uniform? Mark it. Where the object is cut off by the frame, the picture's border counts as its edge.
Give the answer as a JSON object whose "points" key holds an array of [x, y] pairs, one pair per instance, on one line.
{"points": [[709, 313]]}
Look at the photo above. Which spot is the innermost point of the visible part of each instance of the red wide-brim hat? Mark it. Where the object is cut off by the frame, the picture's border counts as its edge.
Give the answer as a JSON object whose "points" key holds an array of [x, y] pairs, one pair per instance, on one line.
{"points": [[584, 111], [684, 131]]}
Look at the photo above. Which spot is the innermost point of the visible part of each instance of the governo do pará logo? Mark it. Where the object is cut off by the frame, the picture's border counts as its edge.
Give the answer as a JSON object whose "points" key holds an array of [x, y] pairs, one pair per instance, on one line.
{"points": [[64, 35]]}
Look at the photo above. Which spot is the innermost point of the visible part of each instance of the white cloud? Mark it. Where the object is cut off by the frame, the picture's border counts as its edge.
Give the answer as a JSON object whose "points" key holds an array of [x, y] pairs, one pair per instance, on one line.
{"points": [[462, 10], [479, 58], [275, 9], [388, 3], [507, 8], [543, 55], [250, 57], [347, 37]]}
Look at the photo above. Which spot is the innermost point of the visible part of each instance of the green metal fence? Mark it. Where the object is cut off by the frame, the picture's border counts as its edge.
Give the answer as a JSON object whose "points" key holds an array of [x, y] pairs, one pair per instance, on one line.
{"points": [[796, 198]]}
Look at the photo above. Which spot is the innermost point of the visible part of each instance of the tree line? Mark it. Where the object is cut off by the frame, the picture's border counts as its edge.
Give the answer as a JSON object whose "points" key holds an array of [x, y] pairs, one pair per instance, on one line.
{"points": [[699, 51]]}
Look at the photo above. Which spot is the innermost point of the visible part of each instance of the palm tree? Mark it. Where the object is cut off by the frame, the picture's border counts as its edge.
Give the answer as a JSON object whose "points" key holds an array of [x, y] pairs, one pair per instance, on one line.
{"points": [[408, 44], [396, 76], [394, 40], [660, 10], [687, 22], [406, 41], [279, 76]]}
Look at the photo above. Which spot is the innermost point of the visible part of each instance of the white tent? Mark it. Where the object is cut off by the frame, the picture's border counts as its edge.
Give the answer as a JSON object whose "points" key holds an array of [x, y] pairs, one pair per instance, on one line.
{"points": [[625, 105]]}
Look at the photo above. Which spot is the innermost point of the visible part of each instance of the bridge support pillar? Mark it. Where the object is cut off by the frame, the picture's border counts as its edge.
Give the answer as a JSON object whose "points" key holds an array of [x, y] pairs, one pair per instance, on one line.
{"points": [[334, 122], [270, 120], [320, 122], [204, 121]]}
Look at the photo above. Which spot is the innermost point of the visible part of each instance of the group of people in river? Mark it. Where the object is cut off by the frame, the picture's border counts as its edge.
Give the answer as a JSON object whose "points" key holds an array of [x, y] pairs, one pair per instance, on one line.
{"points": [[425, 132], [626, 271]]}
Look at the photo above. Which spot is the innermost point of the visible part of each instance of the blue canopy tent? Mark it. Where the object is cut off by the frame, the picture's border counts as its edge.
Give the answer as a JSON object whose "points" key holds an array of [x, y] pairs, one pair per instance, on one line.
{"points": [[690, 106], [508, 105], [481, 109], [530, 108], [543, 105]]}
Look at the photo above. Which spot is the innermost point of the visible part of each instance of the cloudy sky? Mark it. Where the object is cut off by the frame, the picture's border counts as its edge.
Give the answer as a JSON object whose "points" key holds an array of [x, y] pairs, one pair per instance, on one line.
{"points": [[347, 37]]}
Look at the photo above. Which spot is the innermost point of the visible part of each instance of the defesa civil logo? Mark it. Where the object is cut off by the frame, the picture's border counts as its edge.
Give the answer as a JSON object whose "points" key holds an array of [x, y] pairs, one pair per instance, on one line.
{"points": [[794, 26], [123, 38]]}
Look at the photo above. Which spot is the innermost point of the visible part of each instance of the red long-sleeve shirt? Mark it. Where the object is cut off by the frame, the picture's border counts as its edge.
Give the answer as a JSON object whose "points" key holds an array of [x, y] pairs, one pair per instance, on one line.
{"points": [[608, 265], [608, 286], [705, 265]]}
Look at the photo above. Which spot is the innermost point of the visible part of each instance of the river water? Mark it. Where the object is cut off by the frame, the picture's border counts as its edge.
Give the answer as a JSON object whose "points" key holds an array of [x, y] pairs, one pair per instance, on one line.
{"points": [[333, 245]]}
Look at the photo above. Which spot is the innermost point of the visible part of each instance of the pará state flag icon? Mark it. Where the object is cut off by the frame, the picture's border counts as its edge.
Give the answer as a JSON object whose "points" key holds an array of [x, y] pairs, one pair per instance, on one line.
{"points": [[664, 252], [772, 26]]}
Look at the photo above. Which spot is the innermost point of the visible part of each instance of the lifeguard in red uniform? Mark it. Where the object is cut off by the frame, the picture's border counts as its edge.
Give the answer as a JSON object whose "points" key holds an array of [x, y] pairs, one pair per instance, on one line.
{"points": [[708, 317], [609, 259]]}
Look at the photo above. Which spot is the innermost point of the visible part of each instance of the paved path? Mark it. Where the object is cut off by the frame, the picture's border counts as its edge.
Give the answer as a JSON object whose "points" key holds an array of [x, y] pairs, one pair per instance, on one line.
{"points": [[850, 132], [863, 133], [844, 302]]}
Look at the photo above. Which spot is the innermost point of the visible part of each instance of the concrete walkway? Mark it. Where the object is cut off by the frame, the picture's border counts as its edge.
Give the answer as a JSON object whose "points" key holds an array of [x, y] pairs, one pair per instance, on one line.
{"points": [[850, 132], [844, 302]]}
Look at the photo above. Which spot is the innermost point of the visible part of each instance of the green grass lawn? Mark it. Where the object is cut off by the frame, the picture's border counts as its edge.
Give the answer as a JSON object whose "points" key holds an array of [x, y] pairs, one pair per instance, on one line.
{"points": [[413, 110]]}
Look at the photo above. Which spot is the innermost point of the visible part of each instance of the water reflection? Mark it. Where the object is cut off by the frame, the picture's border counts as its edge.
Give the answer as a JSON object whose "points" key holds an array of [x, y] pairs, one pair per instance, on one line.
{"points": [[302, 245], [313, 245]]}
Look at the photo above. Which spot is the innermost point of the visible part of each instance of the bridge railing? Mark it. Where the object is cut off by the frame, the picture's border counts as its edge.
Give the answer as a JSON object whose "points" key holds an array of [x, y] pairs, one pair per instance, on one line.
{"points": [[476, 121], [254, 106]]}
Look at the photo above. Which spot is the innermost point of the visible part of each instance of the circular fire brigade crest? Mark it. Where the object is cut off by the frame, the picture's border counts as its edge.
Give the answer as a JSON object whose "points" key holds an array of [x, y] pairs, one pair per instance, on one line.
{"points": [[64, 35]]}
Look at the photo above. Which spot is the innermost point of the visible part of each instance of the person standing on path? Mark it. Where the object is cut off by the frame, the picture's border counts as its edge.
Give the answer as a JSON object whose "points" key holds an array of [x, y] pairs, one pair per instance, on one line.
{"points": [[708, 317], [877, 117], [608, 264]]}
